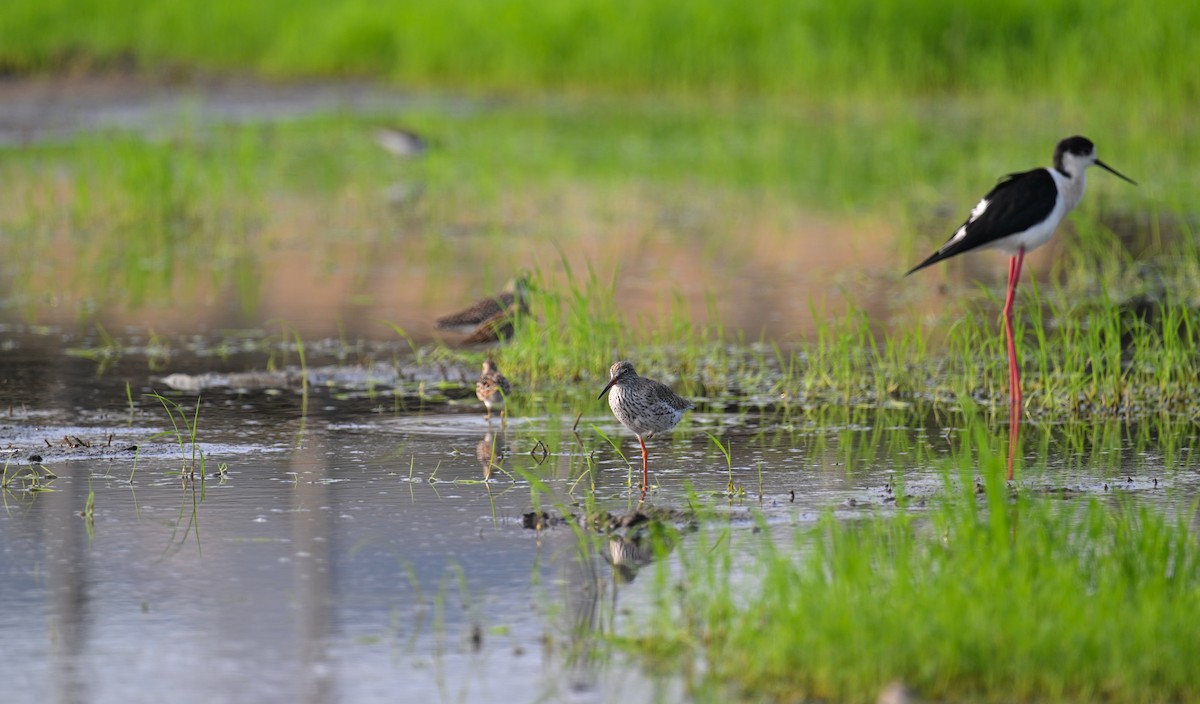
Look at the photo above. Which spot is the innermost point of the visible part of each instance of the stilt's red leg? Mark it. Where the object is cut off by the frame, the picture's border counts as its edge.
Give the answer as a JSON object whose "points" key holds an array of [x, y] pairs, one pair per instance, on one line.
{"points": [[1009, 295], [1014, 372], [645, 464], [1014, 368]]}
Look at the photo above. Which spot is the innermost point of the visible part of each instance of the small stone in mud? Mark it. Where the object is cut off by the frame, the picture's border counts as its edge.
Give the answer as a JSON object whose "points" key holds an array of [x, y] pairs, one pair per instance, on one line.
{"points": [[35, 458]]}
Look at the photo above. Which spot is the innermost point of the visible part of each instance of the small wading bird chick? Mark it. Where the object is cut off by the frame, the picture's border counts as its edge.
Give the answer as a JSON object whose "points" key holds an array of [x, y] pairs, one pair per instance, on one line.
{"points": [[644, 406], [492, 387], [489, 312]]}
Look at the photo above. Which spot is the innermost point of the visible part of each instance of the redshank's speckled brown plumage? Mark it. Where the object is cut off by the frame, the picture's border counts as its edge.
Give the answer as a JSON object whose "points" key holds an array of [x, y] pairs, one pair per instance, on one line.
{"points": [[497, 328], [512, 299], [492, 387], [643, 405]]}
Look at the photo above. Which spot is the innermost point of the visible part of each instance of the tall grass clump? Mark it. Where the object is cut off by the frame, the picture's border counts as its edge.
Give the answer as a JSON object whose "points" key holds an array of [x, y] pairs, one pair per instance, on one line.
{"points": [[575, 330], [981, 597], [773, 47]]}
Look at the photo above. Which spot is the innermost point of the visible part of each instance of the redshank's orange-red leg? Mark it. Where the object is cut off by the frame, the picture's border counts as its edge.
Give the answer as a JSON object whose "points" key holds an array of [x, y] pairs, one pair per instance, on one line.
{"points": [[645, 464], [1014, 369]]}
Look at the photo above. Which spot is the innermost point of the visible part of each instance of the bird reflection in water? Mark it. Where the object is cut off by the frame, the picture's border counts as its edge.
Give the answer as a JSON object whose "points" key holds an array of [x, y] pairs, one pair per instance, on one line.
{"points": [[491, 453]]}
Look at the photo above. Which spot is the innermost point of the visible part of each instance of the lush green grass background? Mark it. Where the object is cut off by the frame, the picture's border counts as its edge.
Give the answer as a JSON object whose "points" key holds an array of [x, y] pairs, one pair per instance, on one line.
{"points": [[1077, 48], [909, 111]]}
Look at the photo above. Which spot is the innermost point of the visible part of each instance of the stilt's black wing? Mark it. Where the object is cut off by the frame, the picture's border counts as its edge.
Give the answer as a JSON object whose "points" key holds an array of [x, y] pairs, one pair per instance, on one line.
{"points": [[1018, 202]]}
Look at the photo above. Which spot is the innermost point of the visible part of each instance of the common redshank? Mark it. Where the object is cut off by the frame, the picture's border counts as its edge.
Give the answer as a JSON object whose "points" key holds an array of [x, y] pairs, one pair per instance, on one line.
{"points": [[644, 406], [1017, 216], [492, 387], [497, 328], [513, 298]]}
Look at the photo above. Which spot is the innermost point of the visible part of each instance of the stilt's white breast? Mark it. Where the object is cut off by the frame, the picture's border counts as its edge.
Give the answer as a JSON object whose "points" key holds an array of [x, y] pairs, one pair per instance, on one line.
{"points": [[1035, 236], [1070, 191]]}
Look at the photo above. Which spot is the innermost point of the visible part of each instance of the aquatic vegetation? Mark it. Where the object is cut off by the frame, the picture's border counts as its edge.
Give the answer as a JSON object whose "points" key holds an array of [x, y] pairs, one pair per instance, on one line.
{"points": [[185, 430], [983, 594], [33, 477], [1083, 357]]}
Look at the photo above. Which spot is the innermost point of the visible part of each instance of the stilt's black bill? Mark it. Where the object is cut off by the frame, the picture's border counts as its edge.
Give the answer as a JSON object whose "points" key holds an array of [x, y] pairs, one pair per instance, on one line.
{"points": [[1114, 172]]}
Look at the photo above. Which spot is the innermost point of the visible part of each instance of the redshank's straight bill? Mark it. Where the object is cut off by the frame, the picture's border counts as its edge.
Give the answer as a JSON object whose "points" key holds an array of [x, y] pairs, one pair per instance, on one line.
{"points": [[644, 406], [1017, 216]]}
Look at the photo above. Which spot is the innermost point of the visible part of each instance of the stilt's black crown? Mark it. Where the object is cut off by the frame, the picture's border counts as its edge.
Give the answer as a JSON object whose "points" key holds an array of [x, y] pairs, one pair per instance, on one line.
{"points": [[1079, 146]]}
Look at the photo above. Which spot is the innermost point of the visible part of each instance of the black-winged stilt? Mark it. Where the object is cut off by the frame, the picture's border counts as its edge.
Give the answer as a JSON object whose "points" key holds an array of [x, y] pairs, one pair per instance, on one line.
{"points": [[1019, 215]]}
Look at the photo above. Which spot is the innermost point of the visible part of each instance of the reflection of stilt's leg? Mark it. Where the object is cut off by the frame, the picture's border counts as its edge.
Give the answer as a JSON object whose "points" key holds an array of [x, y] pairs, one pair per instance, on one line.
{"points": [[1014, 439]]}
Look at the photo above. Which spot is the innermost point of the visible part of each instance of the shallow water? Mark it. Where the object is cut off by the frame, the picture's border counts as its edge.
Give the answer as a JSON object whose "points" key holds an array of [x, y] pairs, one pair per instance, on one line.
{"points": [[355, 553], [314, 574]]}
